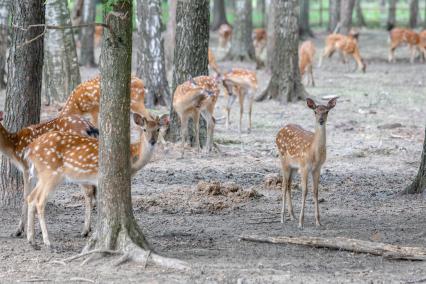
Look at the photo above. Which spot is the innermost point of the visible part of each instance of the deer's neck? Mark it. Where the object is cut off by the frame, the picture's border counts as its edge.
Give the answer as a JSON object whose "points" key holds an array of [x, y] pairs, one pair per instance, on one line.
{"points": [[320, 139], [8, 144], [141, 154]]}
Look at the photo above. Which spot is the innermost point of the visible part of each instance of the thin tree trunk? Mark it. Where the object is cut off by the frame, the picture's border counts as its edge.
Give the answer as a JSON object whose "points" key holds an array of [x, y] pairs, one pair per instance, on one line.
{"points": [[270, 44], [61, 71], [304, 26], [241, 43], [4, 27], [346, 11], [391, 23], [285, 83], [359, 14], [150, 53], [190, 59], [23, 92], [219, 14], [414, 10], [87, 51], [334, 14], [261, 7], [77, 12], [170, 41], [419, 183]]}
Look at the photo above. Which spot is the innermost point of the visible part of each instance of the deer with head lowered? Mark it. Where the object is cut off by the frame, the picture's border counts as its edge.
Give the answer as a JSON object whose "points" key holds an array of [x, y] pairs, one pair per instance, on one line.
{"points": [[306, 151], [191, 99], [13, 145], [58, 156], [84, 100]]}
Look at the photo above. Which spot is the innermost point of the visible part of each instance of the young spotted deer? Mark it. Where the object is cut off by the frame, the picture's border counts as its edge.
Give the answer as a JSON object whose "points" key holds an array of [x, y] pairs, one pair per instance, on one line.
{"points": [[58, 156], [399, 36], [191, 99], [306, 60], [346, 45], [305, 150], [12, 145], [84, 100], [239, 83]]}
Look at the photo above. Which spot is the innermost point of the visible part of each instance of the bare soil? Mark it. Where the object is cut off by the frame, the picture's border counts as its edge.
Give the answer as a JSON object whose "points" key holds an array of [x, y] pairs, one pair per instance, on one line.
{"points": [[196, 208]]}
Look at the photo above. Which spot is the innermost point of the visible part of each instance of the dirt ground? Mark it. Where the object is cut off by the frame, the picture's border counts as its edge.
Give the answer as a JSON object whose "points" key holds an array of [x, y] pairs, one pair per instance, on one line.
{"points": [[369, 162]]}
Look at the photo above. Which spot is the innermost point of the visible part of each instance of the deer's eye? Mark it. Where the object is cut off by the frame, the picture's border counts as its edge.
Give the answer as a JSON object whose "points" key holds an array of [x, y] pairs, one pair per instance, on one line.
{"points": [[144, 130], [158, 130]]}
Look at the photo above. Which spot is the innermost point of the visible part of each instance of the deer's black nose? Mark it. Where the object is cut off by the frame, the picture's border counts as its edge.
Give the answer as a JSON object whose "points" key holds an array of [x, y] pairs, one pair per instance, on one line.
{"points": [[152, 141]]}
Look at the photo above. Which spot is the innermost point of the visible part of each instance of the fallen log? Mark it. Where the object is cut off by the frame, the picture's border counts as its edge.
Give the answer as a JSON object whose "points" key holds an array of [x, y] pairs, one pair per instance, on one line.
{"points": [[354, 245]]}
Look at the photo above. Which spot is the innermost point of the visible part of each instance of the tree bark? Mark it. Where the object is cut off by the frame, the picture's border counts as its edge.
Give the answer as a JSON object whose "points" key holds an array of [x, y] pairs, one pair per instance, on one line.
{"points": [[87, 51], [285, 83], [346, 11], [170, 35], [4, 27], [77, 12], [391, 23], [116, 226], [270, 43], [150, 54], [61, 72], [190, 59], [414, 12], [334, 14], [304, 26], [261, 7], [219, 14], [359, 14], [419, 183], [241, 43], [23, 91]]}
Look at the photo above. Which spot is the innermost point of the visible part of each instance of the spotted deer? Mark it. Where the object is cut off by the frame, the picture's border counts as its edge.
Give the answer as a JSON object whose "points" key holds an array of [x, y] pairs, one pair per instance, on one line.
{"points": [[191, 99], [239, 83], [259, 37], [346, 45], [58, 156], [306, 60], [400, 36], [84, 100], [225, 35], [13, 145], [306, 151], [212, 62]]}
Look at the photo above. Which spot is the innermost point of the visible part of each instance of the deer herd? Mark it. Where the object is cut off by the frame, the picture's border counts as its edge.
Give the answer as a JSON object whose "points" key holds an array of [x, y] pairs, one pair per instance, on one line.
{"points": [[66, 148]]}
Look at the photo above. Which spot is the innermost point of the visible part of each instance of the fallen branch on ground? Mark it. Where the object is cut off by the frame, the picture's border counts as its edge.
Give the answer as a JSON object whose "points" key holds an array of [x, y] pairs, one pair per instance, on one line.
{"points": [[354, 245]]}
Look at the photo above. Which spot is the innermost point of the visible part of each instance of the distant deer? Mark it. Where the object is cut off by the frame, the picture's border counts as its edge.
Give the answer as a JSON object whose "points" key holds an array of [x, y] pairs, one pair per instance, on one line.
{"points": [[191, 99], [225, 35], [305, 150], [12, 145], [84, 100], [399, 36], [346, 45], [259, 37], [57, 156], [306, 60], [212, 62], [240, 83]]}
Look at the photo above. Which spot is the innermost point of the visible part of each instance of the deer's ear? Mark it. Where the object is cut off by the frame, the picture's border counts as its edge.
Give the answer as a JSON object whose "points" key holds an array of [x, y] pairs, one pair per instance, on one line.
{"points": [[311, 104], [332, 103], [138, 119]]}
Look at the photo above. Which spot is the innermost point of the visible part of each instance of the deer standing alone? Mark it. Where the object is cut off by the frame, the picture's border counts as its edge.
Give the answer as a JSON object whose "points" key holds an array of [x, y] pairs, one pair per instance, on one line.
{"points": [[13, 145], [191, 99], [399, 36], [58, 156], [305, 150], [306, 61]]}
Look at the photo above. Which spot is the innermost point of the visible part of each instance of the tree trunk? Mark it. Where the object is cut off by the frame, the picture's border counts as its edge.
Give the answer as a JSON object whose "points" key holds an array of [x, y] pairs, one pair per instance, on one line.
{"points": [[219, 14], [170, 35], [414, 10], [4, 27], [419, 183], [87, 51], [285, 83], [150, 54], [190, 59], [77, 12], [271, 36], [304, 26], [23, 91], [334, 14], [61, 71], [241, 44], [261, 7], [116, 226], [391, 14], [346, 11], [359, 14]]}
